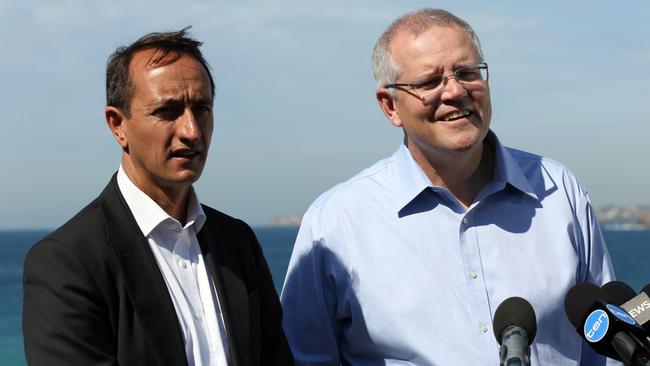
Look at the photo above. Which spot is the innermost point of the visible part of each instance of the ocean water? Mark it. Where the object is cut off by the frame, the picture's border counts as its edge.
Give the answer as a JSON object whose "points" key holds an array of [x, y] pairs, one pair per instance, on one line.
{"points": [[629, 250]]}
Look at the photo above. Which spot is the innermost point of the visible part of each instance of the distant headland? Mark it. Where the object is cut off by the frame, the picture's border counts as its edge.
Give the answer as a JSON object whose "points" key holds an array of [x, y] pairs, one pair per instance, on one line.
{"points": [[291, 219], [611, 218], [624, 217]]}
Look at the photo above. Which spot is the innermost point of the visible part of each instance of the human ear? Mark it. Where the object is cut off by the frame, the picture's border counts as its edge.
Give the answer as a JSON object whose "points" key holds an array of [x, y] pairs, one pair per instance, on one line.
{"points": [[115, 119], [387, 105]]}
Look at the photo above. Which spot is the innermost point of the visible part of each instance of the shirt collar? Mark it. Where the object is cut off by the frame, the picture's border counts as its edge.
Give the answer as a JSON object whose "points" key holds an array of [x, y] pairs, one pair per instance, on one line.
{"points": [[412, 180], [148, 215], [506, 168], [410, 177]]}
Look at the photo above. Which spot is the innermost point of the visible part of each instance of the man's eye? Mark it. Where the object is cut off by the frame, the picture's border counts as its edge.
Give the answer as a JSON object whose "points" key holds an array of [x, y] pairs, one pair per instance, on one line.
{"points": [[432, 83], [167, 113], [468, 74], [202, 109]]}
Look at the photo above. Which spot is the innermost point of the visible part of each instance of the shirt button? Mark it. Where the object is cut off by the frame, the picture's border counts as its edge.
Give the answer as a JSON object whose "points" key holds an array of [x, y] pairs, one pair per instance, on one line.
{"points": [[484, 328], [473, 275], [465, 221], [183, 264]]}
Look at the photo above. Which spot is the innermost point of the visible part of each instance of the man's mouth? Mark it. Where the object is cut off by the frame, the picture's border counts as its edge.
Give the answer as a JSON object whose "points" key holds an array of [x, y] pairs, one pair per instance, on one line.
{"points": [[455, 115], [184, 154]]}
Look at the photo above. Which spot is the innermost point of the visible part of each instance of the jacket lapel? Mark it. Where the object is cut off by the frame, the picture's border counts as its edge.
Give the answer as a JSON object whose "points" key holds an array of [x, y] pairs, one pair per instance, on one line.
{"points": [[144, 281], [231, 289]]}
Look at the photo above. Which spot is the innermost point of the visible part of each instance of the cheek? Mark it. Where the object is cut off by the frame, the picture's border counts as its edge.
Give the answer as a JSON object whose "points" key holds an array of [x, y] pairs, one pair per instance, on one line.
{"points": [[158, 142], [413, 111], [484, 104], [487, 109], [207, 132]]}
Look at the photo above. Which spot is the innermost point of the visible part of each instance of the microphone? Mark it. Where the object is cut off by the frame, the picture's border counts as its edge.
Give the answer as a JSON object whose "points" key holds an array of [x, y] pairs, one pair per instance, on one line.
{"points": [[639, 308], [514, 326], [607, 328], [618, 292]]}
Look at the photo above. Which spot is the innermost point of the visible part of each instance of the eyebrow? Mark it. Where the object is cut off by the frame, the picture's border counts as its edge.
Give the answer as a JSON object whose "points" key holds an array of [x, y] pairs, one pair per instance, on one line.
{"points": [[178, 101], [429, 75], [167, 101], [203, 101]]}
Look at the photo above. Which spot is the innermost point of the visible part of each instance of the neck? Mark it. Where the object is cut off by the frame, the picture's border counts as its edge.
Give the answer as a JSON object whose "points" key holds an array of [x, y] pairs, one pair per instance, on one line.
{"points": [[173, 199], [463, 174], [174, 203]]}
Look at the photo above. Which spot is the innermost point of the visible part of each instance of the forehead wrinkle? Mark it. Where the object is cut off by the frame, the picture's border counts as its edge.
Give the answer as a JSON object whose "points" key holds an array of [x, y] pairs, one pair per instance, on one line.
{"points": [[178, 89], [183, 98]]}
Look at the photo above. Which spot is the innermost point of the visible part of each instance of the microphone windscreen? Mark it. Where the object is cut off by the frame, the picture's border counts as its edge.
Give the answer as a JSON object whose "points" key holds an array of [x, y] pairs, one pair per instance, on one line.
{"points": [[617, 292], [515, 311], [579, 299]]}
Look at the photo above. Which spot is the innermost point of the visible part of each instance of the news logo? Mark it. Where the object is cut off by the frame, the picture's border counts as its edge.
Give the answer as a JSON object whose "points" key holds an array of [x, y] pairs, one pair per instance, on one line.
{"points": [[621, 314], [639, 309], [596, 326]]}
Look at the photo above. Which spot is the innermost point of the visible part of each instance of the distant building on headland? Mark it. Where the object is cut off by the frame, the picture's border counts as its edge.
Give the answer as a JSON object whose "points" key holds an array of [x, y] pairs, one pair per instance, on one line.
{"points": [[292, 219], [624, 217]]}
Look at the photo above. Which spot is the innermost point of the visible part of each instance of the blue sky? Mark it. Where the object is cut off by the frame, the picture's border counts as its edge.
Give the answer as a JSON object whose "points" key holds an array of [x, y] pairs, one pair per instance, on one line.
{"points": [[295, 110]]}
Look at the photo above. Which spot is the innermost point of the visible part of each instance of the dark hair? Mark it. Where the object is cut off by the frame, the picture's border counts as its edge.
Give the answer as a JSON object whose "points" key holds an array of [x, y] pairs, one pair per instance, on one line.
{"points": [[171, 45]]}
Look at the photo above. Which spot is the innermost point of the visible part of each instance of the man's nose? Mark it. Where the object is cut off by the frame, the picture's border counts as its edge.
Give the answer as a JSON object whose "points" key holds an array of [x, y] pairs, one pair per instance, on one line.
{"points": [[189, 128], [452, 88]]}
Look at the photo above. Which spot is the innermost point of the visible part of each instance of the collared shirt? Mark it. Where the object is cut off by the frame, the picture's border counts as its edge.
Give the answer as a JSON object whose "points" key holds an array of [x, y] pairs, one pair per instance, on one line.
{"points": [[179, 258], [389, 269]]}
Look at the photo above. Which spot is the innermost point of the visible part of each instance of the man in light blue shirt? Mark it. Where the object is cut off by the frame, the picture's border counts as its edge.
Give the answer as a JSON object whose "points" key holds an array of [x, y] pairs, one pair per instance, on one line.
{"points": [[406, 263]]}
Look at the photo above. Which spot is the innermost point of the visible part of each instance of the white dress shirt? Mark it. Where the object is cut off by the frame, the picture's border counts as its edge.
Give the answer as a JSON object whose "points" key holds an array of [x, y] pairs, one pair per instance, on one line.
{"points": [[179, 258]]}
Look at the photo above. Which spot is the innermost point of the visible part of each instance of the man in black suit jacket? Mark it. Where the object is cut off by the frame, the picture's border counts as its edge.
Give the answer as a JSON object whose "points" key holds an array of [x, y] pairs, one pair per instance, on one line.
{"points": [[95, 292]]}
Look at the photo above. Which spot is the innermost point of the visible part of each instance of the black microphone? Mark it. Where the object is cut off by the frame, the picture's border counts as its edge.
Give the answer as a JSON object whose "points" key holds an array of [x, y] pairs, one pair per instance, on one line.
{"points": [[621, 294], [639, 308], [514, 326], [618, 292], [607, 328]]}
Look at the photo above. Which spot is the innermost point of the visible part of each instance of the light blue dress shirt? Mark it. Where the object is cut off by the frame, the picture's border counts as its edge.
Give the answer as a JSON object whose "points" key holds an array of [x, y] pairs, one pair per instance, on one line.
{"points": [[389, 269]]}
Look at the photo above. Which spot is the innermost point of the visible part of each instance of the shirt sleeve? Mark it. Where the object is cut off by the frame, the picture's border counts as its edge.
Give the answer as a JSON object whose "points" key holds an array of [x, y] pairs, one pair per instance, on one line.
{"points": [[309, 298], [599, 271], [598, 267]]}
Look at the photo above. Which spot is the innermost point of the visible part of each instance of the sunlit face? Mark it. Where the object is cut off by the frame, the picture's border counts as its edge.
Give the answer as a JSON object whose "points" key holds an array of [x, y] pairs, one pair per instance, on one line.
{"points": [[457, 118], [167, 136]]}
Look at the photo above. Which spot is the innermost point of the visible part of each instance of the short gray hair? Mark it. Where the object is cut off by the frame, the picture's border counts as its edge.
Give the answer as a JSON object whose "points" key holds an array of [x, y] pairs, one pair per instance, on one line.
{"points": [[384, 68]]}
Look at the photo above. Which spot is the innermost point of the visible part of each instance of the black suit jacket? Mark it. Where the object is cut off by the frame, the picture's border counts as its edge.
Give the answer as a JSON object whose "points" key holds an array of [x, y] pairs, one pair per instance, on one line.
{"points": [[94, 295]]}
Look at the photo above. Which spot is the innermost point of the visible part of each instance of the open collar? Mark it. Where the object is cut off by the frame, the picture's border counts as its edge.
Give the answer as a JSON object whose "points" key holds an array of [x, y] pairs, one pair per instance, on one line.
{"points": [[148, 214], [412, 181]]}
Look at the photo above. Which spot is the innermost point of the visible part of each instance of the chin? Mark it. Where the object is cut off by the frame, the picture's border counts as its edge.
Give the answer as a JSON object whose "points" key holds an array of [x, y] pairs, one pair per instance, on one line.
{"points": [[464, 145], [185, 177]]}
